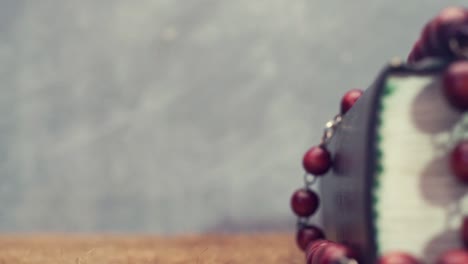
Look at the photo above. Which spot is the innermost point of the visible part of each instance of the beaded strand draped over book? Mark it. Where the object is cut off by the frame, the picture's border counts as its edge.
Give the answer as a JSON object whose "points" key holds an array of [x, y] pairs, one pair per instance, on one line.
{"points": [[393, 164]]}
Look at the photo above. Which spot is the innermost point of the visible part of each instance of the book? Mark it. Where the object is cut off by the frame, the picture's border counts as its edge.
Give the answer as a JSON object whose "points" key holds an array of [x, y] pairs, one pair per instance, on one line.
{"points": [[391, 188]]}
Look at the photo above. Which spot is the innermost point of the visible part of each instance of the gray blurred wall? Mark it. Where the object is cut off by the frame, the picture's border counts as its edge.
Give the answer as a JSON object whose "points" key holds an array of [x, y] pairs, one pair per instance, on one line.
{"points": [[170, 116]]}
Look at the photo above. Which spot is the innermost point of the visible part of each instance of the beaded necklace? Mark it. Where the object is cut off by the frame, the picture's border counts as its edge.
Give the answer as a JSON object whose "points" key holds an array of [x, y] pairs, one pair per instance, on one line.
{"points": [[446, 37]]}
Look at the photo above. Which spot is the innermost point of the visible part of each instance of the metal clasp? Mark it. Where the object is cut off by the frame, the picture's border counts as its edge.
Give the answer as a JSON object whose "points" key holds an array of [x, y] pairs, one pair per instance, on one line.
{"points": [[329, 129]]}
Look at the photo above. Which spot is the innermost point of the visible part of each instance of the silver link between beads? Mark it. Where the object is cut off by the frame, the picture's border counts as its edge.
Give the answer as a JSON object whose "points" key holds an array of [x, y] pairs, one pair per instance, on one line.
{"points": [[309, 180], [329, 129], [328, 132]]}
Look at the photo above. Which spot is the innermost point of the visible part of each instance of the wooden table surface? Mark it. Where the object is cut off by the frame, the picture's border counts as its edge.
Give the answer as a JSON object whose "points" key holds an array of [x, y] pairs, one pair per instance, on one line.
{"points": [[208, 249]]}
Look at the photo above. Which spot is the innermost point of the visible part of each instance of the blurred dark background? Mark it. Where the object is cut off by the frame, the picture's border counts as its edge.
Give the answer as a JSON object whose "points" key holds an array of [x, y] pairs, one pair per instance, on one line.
{"points": [[171, 116]]}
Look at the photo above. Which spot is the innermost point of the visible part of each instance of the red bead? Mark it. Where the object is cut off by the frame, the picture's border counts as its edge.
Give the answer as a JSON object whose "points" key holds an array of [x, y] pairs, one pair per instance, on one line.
{"points": [[308, 234], [335, 253], [428, 44], [445, 26], [455, 83], [459, 161], [456, 256], [410, 58], [304, 202], [317, 161], [464, 231], [314, 249], [417, 52], [450, 24], [398, 258], [349, 99]]}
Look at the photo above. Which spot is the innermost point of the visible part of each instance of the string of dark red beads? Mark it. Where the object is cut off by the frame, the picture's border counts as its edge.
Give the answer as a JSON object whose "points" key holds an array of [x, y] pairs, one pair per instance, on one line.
{"points": [[445, 36], [304, 202]]}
